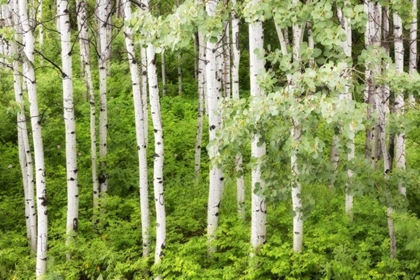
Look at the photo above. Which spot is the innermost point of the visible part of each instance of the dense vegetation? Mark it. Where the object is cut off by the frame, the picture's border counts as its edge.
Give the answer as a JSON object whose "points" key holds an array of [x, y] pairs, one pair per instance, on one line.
{"points": [[335, 246]]}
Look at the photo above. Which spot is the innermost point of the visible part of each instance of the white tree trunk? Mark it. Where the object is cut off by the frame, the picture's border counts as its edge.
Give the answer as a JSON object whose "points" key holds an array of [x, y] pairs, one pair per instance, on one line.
{"points": [[259, 205], [41, 193], [226, 63], [163, 67], [213, 91], [158, 154], [25, 154], [103, 23], [296, 133], [140, 128], [400, 161], [40, 26], [412, 64], [200, 114], [347, 47], [236, 55], [69, 119], [82, 22]]}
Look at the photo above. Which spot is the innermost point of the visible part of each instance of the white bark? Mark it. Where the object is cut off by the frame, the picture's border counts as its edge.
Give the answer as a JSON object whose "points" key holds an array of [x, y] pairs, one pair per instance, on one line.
{"points": [[144, 91], [163, 67], [25, 155], [140, 128], [103, 23], [240, 182], [400, 160], [347, 47], [201, 94], [226, 63], [259, 205], [158, 154], [296, 133], [372, 38], [82, 22], [69, 119], [213, 91], [412, 64], [41, 194], [40, 26]]}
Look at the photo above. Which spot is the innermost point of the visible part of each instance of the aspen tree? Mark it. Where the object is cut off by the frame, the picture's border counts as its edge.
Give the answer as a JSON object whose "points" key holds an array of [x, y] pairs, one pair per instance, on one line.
{"points": [[25, 155], [158, 154], [213, 92], [201, 95], [259, 205], [41, 192], [104, 7], [399, 103], [141, 126], [63, 10], [295, 134], [82, 23], [346, 96], [412, 64], [240, 182]]}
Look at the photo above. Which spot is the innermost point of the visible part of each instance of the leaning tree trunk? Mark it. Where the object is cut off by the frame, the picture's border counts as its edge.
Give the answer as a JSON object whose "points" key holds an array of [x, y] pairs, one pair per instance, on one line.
{"points": [[213, 96], [69, 120], [140, 128], [240, 183], [259, 205], [41, 192]]}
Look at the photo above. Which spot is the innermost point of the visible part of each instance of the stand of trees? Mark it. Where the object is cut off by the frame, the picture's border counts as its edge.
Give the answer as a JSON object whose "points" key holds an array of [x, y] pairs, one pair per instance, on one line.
{"points": [[290, 140]]}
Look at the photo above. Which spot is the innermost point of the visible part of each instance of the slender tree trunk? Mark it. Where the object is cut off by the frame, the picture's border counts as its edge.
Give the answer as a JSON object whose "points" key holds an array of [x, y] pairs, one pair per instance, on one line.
{"points": [[226, 62], [103, 22], [25, 154], [240, 183], [85, 60], [163, 67], [259, 205], [69, 120], [201, 94], [40, 26], [296, 133], [412, 65], [400, 161], [213, 91], [346, 96], [180, 75], [41, 192], [158, 154], [140, 128]]}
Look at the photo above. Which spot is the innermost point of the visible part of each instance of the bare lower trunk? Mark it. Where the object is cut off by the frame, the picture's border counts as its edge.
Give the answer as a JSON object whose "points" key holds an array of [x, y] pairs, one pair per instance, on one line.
{"points": [[259, 205], [140, 129], [41, 193], [25, 154], [200, 114], [213, 97]]}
